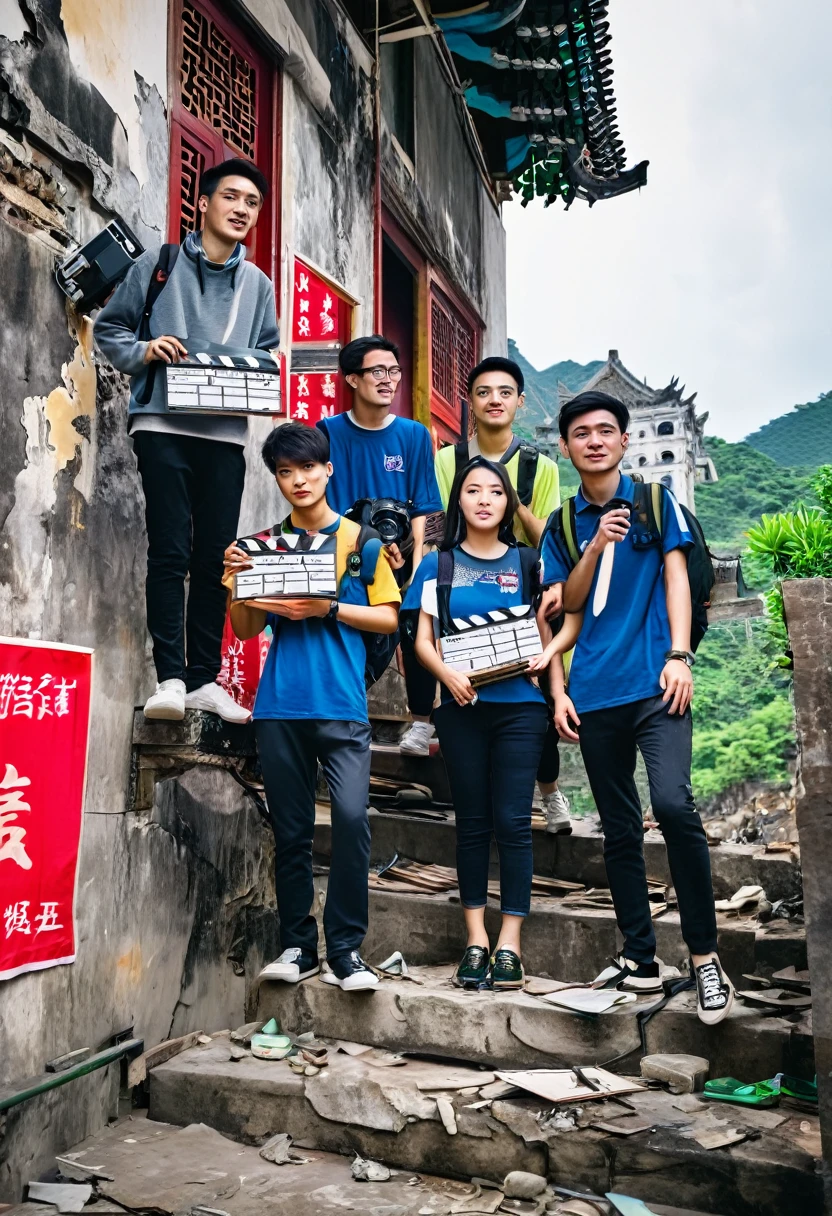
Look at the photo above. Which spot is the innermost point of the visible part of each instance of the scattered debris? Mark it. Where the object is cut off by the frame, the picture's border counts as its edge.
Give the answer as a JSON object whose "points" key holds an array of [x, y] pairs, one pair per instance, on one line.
{"points": [[684, 1074], [789, 977], [522, 1185], [270, 1044], [138, 1068], [396, 967], [746, 899], [315, 1054], [562, 1084], [243, 1033], [449, 1078], [776, 998], [352, 1049], [498, 1089], [627, 1206], [402, 874], [66, 1196], [385, 1059], [479, 1202], [369, 1171], [446, 1113], [62, 1063], [279, 1151], [717, 1137], [204, 1040], [236, 1052], [627, 1125], [589, 1000]]}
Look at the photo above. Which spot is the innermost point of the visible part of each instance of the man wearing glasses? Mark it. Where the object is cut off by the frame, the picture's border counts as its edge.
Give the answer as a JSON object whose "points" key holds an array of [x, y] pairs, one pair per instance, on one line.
{"points": [[376, 454]]}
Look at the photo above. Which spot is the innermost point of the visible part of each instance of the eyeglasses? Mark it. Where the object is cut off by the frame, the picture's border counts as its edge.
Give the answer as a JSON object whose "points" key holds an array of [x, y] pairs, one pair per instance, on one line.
{"points": [[382, 373]]}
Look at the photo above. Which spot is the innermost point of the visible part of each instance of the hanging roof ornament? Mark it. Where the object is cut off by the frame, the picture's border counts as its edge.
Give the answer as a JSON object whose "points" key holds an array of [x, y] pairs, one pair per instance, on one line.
{"points": [[538, 83]]}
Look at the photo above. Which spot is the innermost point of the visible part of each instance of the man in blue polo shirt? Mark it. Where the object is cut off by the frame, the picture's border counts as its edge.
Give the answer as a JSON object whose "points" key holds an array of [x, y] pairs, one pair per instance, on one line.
{"points": [[630, 687], [376, 454]]}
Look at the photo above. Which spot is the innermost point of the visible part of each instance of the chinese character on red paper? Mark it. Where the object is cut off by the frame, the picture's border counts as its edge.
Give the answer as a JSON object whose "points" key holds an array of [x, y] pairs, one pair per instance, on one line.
{"points": [[48, 917], [11, 803], [328, 387], [16, 917]]}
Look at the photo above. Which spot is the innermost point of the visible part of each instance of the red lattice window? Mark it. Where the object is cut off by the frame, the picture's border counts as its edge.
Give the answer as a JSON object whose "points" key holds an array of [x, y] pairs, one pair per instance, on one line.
{"points": [[224, 101], [454, 345], [218, 85]]}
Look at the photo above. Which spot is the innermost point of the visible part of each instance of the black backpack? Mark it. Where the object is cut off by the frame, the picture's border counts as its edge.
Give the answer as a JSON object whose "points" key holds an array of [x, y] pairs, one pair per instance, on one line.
{"points": [[161, 273], [526, 469], [530, 578], [647, 509]]}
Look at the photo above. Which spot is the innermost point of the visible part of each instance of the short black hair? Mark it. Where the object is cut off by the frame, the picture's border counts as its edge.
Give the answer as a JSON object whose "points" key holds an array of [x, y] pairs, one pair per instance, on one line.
{"points": [[351, 358], [296, 442], [496, 363], [585, 403], [235, 167]]}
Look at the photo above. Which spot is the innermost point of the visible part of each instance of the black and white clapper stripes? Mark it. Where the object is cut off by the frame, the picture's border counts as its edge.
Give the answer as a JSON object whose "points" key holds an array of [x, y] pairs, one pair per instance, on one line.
{"points": [[483, 644], [280, 568], [245, 382]]}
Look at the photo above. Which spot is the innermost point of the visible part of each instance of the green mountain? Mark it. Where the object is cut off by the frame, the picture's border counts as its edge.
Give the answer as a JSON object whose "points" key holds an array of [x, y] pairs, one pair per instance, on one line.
{"points": [[801, 437], [750, 484], [542, 387]]}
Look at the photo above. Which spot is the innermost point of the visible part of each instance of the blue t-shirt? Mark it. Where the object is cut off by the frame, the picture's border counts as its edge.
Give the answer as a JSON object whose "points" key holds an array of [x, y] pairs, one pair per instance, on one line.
{"points": [[619, 655], [395, 461], [315, 668], [478, 587]]}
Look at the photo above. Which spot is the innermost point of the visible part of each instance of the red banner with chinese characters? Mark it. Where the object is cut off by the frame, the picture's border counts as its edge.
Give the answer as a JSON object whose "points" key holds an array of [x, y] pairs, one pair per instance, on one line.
{"points": [[320, 315], [313, 395], [321, 325], [44, 731], [242, 664]]}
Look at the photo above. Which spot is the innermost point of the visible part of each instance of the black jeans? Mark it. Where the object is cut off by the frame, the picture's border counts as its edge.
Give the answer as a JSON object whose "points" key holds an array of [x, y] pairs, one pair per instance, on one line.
{"points": [[549, 767], [491, 752], [192, 491], [419, 684], [289, 751], [609, 738]]}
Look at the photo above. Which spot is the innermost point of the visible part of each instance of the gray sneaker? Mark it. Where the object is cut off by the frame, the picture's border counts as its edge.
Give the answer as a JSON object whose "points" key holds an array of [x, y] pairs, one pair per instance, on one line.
{"points": [[556, 809]]}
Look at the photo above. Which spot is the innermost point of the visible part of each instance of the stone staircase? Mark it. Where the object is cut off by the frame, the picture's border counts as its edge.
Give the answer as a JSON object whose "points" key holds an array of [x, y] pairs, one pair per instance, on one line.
{"points": [[398, 1112]]}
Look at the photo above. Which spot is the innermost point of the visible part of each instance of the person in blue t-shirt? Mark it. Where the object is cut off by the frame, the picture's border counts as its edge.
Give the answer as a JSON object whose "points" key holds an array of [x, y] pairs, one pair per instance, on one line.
{"points": [[376, 454], [492, 738], [630, 687], [311, 706]]}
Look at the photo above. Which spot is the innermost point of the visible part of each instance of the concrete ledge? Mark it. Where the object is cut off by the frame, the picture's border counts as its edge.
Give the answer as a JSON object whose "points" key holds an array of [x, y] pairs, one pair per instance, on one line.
{"points": [[379, 1112], [579, 857], [517, 1030], [565, 943]]}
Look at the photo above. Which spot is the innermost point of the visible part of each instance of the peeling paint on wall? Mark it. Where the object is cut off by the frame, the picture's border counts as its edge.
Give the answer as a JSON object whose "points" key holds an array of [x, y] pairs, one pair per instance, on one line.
{"points": [[109, 45]]}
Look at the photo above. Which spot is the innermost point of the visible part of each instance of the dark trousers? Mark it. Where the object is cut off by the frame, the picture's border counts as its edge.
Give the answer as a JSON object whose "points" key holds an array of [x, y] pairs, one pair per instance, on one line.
{"points": [[609, 738], [192, 491], [289, 752], [491, 752], [419, 684], [549, 767]]}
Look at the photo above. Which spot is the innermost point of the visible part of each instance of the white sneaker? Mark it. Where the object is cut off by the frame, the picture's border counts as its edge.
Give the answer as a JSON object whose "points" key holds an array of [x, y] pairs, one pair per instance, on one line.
{"points": [[215, 700], [629, 976], [556, 809], [167, 702], [416, 740], [714, 992], [293, 966]]}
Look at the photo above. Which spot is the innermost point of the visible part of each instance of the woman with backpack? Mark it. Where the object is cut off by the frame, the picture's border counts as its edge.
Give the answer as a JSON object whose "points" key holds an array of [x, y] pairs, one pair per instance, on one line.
{"points": [[492, 736]]}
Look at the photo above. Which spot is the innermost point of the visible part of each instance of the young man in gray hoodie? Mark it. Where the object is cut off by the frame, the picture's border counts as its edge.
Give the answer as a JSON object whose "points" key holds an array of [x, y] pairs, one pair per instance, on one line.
{"points": [[192, 466]]}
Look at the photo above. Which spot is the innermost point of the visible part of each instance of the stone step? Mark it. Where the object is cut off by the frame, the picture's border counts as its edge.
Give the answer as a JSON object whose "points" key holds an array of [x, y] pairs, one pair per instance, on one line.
{"points": [[353, 1105], [431, 1017], [578, 858], [563, 942]]}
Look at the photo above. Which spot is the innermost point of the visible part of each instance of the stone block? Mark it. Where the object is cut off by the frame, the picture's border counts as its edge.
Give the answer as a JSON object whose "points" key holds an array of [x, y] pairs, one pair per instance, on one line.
{"points": [[684, 1074]]}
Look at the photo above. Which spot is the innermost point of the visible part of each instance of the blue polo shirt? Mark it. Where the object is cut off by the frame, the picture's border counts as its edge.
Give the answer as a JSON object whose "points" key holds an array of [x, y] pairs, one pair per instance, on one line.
{"points": [[619, 655], [315, 667], [395, 461]]}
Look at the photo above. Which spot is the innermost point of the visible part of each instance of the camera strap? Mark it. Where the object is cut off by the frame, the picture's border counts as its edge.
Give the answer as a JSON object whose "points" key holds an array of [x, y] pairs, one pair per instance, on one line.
{"points": [[161, 273]]}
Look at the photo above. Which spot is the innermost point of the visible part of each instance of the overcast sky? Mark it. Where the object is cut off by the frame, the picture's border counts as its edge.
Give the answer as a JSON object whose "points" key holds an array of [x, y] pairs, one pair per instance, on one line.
{"points": [[720, 270]]}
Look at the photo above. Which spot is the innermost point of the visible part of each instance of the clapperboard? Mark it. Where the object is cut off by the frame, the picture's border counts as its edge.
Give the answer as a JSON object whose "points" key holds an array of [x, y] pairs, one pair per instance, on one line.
{"points": [[280, 570], [224, 382], [494, 646]]}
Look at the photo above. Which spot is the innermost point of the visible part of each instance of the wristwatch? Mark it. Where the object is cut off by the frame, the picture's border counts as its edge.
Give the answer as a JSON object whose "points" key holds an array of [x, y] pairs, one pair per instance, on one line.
{"points": [[332, 615], [686, 656]]}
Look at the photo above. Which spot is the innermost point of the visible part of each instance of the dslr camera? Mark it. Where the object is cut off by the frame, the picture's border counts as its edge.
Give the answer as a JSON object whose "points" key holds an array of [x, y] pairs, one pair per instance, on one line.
{"points": [[389, 517]]}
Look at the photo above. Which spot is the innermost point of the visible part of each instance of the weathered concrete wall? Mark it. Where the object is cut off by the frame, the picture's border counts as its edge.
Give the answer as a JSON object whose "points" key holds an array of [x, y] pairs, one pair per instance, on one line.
{"points": [[808, 604]]}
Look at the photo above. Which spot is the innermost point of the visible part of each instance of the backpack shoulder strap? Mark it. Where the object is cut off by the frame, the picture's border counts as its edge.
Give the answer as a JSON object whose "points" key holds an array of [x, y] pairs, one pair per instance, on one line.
{"points": [[568, 529], [444, 582], [526, 472], [161, 273], [657, 507], [461, 456], [530, 573], [365, 534]]}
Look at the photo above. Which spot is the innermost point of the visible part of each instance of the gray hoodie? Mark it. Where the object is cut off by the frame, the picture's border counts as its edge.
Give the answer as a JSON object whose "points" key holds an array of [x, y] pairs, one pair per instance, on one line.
{"points": [[202, 302]]}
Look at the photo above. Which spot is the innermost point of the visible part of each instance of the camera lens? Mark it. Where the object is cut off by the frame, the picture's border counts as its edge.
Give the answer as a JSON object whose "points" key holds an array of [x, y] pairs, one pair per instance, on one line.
{"points": [[388, 530]]}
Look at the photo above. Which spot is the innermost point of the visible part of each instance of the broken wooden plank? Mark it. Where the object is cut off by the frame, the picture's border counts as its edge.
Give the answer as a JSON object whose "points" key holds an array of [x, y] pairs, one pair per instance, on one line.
{"points": [[138, 1069]]}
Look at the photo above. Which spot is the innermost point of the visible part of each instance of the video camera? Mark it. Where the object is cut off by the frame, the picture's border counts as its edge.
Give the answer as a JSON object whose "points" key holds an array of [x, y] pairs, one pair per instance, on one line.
{"points": [[90, 274], [389, 517]]}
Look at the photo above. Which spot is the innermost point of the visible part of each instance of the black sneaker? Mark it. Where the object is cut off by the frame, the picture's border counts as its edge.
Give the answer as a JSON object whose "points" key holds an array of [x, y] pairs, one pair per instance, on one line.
{"points": [[350, 972], [473, 969], [507, 970], [629, 976], [714, 992], [292, 966]]}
